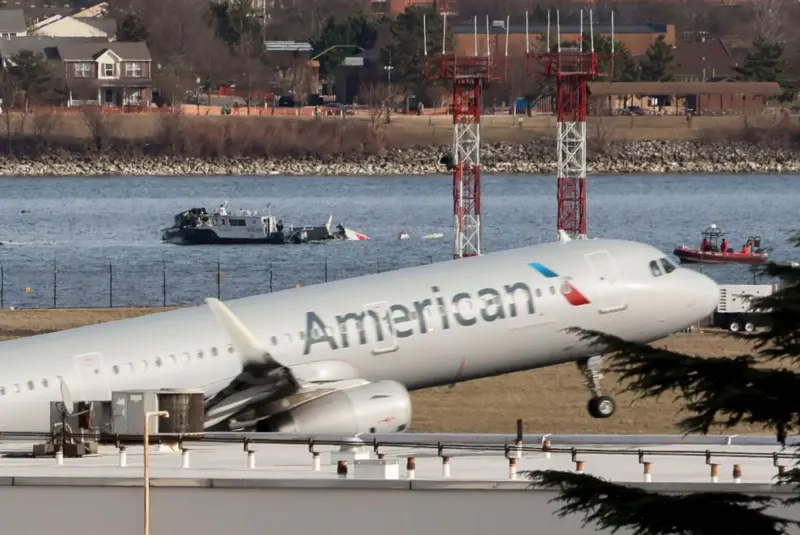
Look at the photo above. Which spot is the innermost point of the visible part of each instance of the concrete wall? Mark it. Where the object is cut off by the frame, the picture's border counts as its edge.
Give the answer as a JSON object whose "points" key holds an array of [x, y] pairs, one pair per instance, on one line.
{"points": [[67, 506]]}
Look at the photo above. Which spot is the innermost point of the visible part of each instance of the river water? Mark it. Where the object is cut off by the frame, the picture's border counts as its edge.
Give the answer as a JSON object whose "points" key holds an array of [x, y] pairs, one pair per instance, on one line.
{"points": [[96, 241]]}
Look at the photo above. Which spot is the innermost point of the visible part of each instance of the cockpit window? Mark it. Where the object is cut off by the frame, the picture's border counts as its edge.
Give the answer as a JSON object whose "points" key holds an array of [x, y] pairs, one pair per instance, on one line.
{"points": [[669, 266], [655, 269]]}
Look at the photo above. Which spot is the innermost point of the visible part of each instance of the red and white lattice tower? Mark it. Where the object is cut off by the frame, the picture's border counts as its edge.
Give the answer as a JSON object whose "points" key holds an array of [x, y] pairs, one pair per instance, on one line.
{"points": [[571, 68], [468, 75]]}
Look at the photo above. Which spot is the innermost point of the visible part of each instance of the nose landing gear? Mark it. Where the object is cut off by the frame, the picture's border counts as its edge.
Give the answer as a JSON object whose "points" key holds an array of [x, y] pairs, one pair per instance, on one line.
{"points": [[599, 406]]}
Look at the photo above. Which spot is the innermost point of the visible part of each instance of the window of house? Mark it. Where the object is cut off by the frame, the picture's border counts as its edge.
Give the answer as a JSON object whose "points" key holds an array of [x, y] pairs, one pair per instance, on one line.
{"points": [[83, 70], [108, 69], [134, 70]]}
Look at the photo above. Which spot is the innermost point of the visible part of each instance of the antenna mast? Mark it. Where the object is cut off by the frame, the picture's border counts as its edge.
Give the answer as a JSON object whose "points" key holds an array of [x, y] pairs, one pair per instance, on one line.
{"points": [[468, 75], [571, 66]]}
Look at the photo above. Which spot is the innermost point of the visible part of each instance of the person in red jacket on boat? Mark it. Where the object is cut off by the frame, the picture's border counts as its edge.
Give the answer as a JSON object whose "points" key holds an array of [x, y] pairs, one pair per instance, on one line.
{"points": [[723, 247], [746, 248], [706, 245]]}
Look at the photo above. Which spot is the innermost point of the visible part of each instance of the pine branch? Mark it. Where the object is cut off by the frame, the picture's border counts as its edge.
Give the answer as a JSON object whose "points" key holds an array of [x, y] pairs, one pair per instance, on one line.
{"points": [[719, 391], [614, 507], [791, 477]]}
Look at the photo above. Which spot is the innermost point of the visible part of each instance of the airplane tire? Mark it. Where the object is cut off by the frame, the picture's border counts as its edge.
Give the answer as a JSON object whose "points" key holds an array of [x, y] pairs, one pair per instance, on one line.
{"points": [[602, 407]]}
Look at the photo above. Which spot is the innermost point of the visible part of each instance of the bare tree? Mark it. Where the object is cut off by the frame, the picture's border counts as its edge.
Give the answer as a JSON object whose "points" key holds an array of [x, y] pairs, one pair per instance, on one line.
{"points": [[379, 98], [174, 80], [101, 126], [767, 20], [8, 101], [304, 19]]}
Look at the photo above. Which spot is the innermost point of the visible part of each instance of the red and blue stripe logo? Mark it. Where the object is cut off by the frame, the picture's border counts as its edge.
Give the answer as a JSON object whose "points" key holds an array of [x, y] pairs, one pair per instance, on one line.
{"points": [[570, 293]]}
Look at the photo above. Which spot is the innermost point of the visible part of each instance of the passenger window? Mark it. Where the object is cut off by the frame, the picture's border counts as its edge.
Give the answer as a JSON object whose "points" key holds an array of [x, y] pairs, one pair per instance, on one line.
{"points": [[669, 267], [158, 362], [552, 290], [274, 340], [654, 269], [2, 391], [230, 348], [30, 385], [115, 369], [214, 352], [200, 354], [301, 335], [45, 383], [538, 292]]}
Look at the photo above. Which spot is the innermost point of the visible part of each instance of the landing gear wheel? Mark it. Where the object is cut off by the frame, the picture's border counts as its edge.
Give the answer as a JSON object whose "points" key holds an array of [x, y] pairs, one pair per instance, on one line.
{"points": [[599, 406], [749, 327], [602, 407]]}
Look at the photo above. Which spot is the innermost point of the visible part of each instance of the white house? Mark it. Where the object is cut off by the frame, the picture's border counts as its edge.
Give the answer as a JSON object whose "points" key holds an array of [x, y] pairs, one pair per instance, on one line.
{"points": [[70, 26]]}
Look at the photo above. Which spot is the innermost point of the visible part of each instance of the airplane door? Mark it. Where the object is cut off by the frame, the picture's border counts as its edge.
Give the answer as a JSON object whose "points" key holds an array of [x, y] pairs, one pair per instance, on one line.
{"points": [[605, 276], [382, 336], [92, 382]]}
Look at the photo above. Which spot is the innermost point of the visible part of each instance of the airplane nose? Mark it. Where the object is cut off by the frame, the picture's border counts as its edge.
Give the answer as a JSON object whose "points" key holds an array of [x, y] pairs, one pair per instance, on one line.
{"points": [[703, 293]]}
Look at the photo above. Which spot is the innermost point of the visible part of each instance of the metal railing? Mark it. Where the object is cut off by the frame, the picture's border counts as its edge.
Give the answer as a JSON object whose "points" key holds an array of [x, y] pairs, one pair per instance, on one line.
{"points": [[165, 283]]}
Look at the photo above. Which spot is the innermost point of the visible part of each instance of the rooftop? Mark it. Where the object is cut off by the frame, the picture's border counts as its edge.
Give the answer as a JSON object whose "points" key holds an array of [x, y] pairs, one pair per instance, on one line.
{"points": [[767, 89], [473, 458], [566, 29], [12, 21]]}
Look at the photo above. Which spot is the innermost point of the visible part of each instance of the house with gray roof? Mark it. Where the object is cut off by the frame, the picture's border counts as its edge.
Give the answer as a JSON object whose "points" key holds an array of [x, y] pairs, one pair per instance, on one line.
{"points": [[109, 74], [12, 23], [46, 47]]}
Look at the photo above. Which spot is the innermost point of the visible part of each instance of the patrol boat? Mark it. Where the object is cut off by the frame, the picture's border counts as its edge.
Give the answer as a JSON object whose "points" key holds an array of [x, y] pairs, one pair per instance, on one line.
{"points": [[197, 226]]}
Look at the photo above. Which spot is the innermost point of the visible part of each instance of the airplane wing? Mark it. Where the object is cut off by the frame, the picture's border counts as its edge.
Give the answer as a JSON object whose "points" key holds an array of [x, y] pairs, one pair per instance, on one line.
{"points": [[256, 360], [266, 386]]}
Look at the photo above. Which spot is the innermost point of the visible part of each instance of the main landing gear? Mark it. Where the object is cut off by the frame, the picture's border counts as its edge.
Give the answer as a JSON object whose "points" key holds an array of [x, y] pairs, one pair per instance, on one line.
{"points": [[599, 406]]}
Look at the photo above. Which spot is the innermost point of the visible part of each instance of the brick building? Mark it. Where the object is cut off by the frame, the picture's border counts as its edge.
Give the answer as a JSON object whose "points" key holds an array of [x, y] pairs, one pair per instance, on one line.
{"points": [[707, 98], [636, 38]]}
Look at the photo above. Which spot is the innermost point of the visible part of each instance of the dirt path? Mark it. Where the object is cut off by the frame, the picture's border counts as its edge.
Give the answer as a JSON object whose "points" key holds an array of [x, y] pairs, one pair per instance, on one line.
{"points": [[550, 400]]}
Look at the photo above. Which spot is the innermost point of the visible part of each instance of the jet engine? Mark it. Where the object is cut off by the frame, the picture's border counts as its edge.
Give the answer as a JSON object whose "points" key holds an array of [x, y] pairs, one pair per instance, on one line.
{"points": [[381, 407]]}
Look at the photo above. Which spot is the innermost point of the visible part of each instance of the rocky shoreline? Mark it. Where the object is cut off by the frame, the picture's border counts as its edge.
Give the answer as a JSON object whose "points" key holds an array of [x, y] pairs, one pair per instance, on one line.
{"points": [[532, 158]]}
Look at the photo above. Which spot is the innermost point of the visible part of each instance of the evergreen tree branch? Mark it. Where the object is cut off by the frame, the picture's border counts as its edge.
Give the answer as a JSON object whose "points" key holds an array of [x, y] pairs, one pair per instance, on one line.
{"points": [[720, 391], [782, 310], [614, 507]]}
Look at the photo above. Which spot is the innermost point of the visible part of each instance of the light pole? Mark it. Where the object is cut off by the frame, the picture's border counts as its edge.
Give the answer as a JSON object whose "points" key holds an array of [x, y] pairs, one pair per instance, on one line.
{"points": [[147, 417], [388, 67]]}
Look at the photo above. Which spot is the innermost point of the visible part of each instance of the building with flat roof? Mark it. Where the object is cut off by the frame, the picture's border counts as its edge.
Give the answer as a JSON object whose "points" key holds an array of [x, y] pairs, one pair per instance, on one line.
{"points": [[636, 38]]}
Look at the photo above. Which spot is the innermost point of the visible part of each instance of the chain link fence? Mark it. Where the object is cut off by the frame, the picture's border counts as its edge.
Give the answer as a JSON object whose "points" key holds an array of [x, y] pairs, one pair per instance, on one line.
{"points": [[164, 283]]}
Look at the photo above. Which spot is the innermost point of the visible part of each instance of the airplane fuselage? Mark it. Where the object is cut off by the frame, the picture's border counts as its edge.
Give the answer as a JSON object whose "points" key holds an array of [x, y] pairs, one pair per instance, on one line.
{"points": [[425, 326]]}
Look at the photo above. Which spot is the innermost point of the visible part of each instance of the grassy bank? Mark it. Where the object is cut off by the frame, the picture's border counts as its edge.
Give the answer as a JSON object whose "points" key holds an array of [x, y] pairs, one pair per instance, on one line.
{"points": [[242, 135], [550, 400]]}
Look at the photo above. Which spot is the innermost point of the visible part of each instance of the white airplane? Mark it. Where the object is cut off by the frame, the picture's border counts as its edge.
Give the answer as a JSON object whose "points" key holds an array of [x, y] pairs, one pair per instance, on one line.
{"points": [[341, 357]]}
